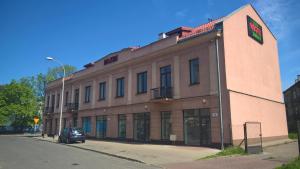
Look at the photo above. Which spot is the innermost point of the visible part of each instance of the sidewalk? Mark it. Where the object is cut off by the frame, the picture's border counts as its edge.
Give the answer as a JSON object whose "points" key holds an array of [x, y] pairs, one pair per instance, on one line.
{"points": [[177, 157], [272, 157], [146, 153]]}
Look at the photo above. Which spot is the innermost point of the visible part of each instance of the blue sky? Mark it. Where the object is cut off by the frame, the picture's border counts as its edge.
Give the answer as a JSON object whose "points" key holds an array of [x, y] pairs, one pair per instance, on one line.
{"points": [[80, 31]]}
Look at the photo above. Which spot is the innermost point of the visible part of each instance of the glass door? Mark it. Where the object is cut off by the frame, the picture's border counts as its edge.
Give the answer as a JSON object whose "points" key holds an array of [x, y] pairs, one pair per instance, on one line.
{"points": [[165, 125], [122, 126], [197, 127], [165, 81], [141, 126], [101, 126]]}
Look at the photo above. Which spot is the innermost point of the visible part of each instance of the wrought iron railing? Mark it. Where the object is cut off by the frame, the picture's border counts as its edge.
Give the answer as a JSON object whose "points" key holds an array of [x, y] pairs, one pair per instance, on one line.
{"points": [[162, 93], [72, 107]]}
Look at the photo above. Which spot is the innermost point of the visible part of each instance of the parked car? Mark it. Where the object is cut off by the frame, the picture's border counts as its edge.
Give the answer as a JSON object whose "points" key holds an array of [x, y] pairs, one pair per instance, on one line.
{"points": [[72, 134]]}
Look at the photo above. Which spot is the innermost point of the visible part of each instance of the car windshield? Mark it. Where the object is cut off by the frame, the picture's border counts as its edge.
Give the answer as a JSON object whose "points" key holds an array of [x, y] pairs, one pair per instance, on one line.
{"points": [[77, 130]]}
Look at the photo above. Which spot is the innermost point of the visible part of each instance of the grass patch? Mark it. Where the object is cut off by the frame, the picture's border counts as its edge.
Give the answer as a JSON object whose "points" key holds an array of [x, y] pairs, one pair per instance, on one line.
{"points": [[229, 151], [293, 136], [291, 165]]}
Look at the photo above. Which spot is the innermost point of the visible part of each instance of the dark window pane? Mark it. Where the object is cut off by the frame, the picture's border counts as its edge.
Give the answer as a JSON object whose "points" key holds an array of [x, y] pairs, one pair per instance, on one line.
{"points": [[120, 87], [102, 90], [87, 94], [194, 71], [122, 126], [142, 82]]}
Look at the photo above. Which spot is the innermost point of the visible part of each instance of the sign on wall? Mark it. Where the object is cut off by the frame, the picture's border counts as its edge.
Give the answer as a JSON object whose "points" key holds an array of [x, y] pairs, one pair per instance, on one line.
{"points": [[254, 30]]}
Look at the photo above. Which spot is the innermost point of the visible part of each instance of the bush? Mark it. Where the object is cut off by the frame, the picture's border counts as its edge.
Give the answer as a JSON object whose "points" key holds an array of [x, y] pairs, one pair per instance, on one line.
{"points": [[293, 136]]}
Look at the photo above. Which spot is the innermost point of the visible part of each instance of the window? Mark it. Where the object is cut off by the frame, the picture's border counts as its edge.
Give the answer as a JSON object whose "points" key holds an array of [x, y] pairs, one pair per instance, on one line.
{"points": [[122, 126], [67, 96], [86, 124], [64, 123], [102, 88], [76, 96], [142, 82], [48, 101], [53, 101], [194, 71], [58, 100], [165, 125], [75, 122], [120, 87], [56, 126], [87, 97]]}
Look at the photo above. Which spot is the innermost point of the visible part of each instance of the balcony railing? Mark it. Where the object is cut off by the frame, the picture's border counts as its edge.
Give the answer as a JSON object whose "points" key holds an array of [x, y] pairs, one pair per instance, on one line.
{"points": [[49, 109], [72, 107], [162, 93]]}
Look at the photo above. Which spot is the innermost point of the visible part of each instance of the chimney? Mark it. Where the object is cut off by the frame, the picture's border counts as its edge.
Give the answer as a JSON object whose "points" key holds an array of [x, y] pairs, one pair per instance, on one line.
{"points": [[162, 36]]}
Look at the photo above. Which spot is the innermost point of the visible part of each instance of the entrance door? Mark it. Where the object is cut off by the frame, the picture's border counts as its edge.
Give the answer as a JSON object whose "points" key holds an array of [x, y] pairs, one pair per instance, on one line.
{"points": [[197, 127], [165, 81], [141, 126], [101, 126], [166, 125]]}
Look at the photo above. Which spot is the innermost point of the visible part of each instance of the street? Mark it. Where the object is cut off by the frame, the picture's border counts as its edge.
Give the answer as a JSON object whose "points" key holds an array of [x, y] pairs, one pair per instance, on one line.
{"points": [[26, 153]]}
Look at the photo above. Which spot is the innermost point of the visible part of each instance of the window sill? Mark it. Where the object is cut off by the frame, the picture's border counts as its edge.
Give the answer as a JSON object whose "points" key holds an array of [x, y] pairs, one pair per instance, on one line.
{"points": [[100, 100], [117, 97]]}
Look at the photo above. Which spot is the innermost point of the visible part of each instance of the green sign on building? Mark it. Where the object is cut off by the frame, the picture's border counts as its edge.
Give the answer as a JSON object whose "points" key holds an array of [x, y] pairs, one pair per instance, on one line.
{"points": [[254, 30]]}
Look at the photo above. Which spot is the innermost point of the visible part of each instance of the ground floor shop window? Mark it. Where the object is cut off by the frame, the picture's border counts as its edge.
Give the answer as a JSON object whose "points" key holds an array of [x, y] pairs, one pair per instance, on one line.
{"points": [[166, 125], [122, 126], [141, 131], [64, 123], [86, 124], [75, 122], [50, 127], [101, 126], [56, 126], [197, 127]]}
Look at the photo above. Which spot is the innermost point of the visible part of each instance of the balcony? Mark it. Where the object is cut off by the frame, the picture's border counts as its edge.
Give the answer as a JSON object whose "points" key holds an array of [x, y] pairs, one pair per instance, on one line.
{"points": [[72, 107], [162, 93], [49, 110]]}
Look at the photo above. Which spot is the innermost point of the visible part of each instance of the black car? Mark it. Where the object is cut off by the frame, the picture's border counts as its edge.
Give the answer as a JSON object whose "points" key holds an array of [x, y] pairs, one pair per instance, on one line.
{"points": [[72, 134]]}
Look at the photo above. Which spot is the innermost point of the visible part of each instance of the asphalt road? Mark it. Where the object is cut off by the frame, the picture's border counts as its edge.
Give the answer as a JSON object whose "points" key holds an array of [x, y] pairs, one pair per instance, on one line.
{"points": [[27, 153]]}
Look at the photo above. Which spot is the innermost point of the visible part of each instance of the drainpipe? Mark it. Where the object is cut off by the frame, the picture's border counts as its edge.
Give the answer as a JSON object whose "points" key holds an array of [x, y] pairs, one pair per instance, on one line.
{"points": [[220, 90]]}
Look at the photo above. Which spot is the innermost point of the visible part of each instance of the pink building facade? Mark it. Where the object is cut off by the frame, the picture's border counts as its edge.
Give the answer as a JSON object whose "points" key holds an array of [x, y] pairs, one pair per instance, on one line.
{"points": [[170, 87]]}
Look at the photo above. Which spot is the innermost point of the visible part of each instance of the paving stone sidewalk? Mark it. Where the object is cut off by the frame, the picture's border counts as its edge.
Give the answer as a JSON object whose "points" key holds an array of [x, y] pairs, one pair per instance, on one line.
{"points": [[178, 157], [273, 156], [147, 153]]}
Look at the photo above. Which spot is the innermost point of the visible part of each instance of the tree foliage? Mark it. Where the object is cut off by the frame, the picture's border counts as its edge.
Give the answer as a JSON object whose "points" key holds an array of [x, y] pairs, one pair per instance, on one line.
{"points": [[58, 72], [17, 104], [21, 100]]}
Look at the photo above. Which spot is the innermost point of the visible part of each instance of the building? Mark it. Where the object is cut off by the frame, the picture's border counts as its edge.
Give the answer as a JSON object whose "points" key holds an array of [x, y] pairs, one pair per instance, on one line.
{"points": [[292, 105], [170, 87]]}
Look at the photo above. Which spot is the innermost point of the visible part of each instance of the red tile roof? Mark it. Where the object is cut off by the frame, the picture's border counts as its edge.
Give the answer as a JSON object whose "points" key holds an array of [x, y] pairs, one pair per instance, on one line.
{"points": [[201, 29]]}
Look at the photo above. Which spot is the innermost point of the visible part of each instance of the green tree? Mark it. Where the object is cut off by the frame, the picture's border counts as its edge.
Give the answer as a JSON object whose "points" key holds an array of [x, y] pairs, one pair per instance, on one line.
{"points": [[17, 104], [57, 72]]}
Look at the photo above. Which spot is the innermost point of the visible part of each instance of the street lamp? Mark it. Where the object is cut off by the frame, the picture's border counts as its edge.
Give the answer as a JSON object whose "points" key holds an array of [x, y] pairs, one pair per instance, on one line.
{"points": [[62, 90]]}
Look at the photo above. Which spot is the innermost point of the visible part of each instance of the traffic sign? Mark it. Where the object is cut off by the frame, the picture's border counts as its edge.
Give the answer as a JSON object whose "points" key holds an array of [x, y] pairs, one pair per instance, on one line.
{"points": [[36, 119]]}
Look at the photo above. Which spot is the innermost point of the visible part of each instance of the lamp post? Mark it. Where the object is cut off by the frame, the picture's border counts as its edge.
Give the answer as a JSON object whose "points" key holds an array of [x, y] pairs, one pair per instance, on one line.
{"points": [[219, 90], [62, 90]]}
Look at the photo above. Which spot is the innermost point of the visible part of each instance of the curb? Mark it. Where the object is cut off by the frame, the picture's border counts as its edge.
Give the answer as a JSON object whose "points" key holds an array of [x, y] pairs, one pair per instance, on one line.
{"points": [[278, 144], [96, 151]]}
